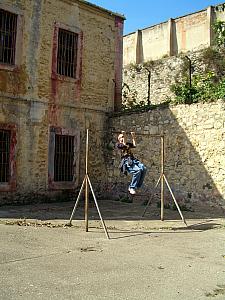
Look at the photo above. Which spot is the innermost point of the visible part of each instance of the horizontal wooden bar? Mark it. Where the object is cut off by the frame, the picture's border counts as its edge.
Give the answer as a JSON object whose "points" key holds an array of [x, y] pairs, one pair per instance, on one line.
{"points": [[128, 132], [137, 133]]}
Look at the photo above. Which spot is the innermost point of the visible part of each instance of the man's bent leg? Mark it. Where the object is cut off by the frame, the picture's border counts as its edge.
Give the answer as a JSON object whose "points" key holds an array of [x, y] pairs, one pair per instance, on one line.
{"points": [[143, 173], [136, 172], [142, 177]]}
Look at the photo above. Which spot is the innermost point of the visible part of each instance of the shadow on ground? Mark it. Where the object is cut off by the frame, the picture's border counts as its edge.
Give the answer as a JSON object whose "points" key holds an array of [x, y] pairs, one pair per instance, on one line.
{"points": [[110, 210]]}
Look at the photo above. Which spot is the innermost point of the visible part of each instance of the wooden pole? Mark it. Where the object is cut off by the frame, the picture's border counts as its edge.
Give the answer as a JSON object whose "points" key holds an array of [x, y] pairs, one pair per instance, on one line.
{"points": [[150, 199], [86, 184], [174, 199], [77, 201], [96, 203], [162, 178]]}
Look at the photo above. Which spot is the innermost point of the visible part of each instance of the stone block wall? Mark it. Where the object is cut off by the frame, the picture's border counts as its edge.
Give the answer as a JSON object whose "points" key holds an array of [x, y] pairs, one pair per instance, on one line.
{"points": [[194, 150], [153, 80]]}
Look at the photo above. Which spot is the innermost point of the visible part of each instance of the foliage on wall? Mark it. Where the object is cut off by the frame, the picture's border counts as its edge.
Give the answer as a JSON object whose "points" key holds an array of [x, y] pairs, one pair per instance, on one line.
{"points": [[208, 86], [204, 88], [219, 30]]}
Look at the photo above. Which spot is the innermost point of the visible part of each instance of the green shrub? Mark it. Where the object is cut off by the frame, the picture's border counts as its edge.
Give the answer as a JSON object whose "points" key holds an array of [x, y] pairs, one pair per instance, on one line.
{"points": [[204, 88], [219, 30]]}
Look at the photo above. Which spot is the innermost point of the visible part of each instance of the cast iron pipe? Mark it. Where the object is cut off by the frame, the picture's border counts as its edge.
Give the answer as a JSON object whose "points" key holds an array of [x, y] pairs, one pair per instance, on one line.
{"points": [[190, 83]]}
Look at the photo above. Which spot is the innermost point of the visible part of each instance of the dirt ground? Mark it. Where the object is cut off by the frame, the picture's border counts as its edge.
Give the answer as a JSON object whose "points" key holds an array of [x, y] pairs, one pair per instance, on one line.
{"points": [[145, 258]]}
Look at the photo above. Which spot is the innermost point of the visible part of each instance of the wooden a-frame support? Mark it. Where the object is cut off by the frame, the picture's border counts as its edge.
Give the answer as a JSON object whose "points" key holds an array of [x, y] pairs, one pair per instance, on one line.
{"points": [[87, 183], [162, 179]]}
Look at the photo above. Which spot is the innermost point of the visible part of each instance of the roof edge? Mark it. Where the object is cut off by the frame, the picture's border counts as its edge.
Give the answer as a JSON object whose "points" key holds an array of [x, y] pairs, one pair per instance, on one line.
{"points": [[103, 9]]}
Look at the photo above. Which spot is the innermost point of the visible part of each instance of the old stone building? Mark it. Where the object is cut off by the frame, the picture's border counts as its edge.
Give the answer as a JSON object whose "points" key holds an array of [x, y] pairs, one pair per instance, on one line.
{"points": [[60, 73]]}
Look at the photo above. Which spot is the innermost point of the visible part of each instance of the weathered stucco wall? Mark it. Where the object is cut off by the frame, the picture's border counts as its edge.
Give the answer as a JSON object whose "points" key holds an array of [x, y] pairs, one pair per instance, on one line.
{"points": [[34, 97], [192, 32], [129, 48], [187, 33], [155, 41], [194, 150]]}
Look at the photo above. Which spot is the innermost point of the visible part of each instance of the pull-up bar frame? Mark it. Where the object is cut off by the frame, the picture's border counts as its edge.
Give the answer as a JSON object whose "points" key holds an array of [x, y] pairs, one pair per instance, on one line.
{"points": [[162, 177], [86, 182]]}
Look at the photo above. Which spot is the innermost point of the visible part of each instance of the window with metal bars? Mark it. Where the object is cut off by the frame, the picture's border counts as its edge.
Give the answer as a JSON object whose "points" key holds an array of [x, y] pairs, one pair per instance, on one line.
{"points": [[8, 30], [64, 158], [4, 155], [67, 53]]}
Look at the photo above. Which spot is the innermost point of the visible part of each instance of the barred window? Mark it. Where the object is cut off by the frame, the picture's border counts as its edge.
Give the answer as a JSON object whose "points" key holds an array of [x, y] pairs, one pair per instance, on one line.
{"points": [[4, 155], [8, 29], [64, 158], [67, 53]]}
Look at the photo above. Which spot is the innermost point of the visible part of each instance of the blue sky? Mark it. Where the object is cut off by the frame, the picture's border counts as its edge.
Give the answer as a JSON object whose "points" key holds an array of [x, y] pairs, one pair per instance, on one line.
{"points": [[144, 13]]}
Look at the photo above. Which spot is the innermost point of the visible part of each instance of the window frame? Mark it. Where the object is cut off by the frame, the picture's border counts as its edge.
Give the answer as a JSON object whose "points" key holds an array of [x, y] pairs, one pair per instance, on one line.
{"points": [[19, 36], [11, 184], [77, 31], [63, 185], [72, 61]]}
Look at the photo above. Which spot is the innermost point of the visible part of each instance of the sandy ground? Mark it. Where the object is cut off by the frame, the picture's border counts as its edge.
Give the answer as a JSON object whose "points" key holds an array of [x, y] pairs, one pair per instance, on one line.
{"points": [[144, 258]]}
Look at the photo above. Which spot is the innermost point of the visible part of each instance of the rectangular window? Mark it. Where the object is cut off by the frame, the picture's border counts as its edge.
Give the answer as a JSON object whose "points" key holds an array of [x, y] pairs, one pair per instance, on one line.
{"points": [[8, 31], [4, 155], [67, 53], [64, 158]]}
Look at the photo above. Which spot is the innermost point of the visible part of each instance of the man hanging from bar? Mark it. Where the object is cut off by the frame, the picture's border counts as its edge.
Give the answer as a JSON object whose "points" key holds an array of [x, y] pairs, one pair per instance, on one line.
{"points": [[130, 164]]}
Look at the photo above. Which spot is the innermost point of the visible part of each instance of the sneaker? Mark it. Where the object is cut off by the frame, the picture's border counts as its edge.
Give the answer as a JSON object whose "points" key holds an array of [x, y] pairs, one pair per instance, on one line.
{"points": [[132, 191]]}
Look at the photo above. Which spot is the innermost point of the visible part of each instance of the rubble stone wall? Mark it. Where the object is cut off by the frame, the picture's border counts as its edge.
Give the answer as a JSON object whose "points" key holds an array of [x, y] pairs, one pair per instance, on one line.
{"points": [[194, 150]]}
